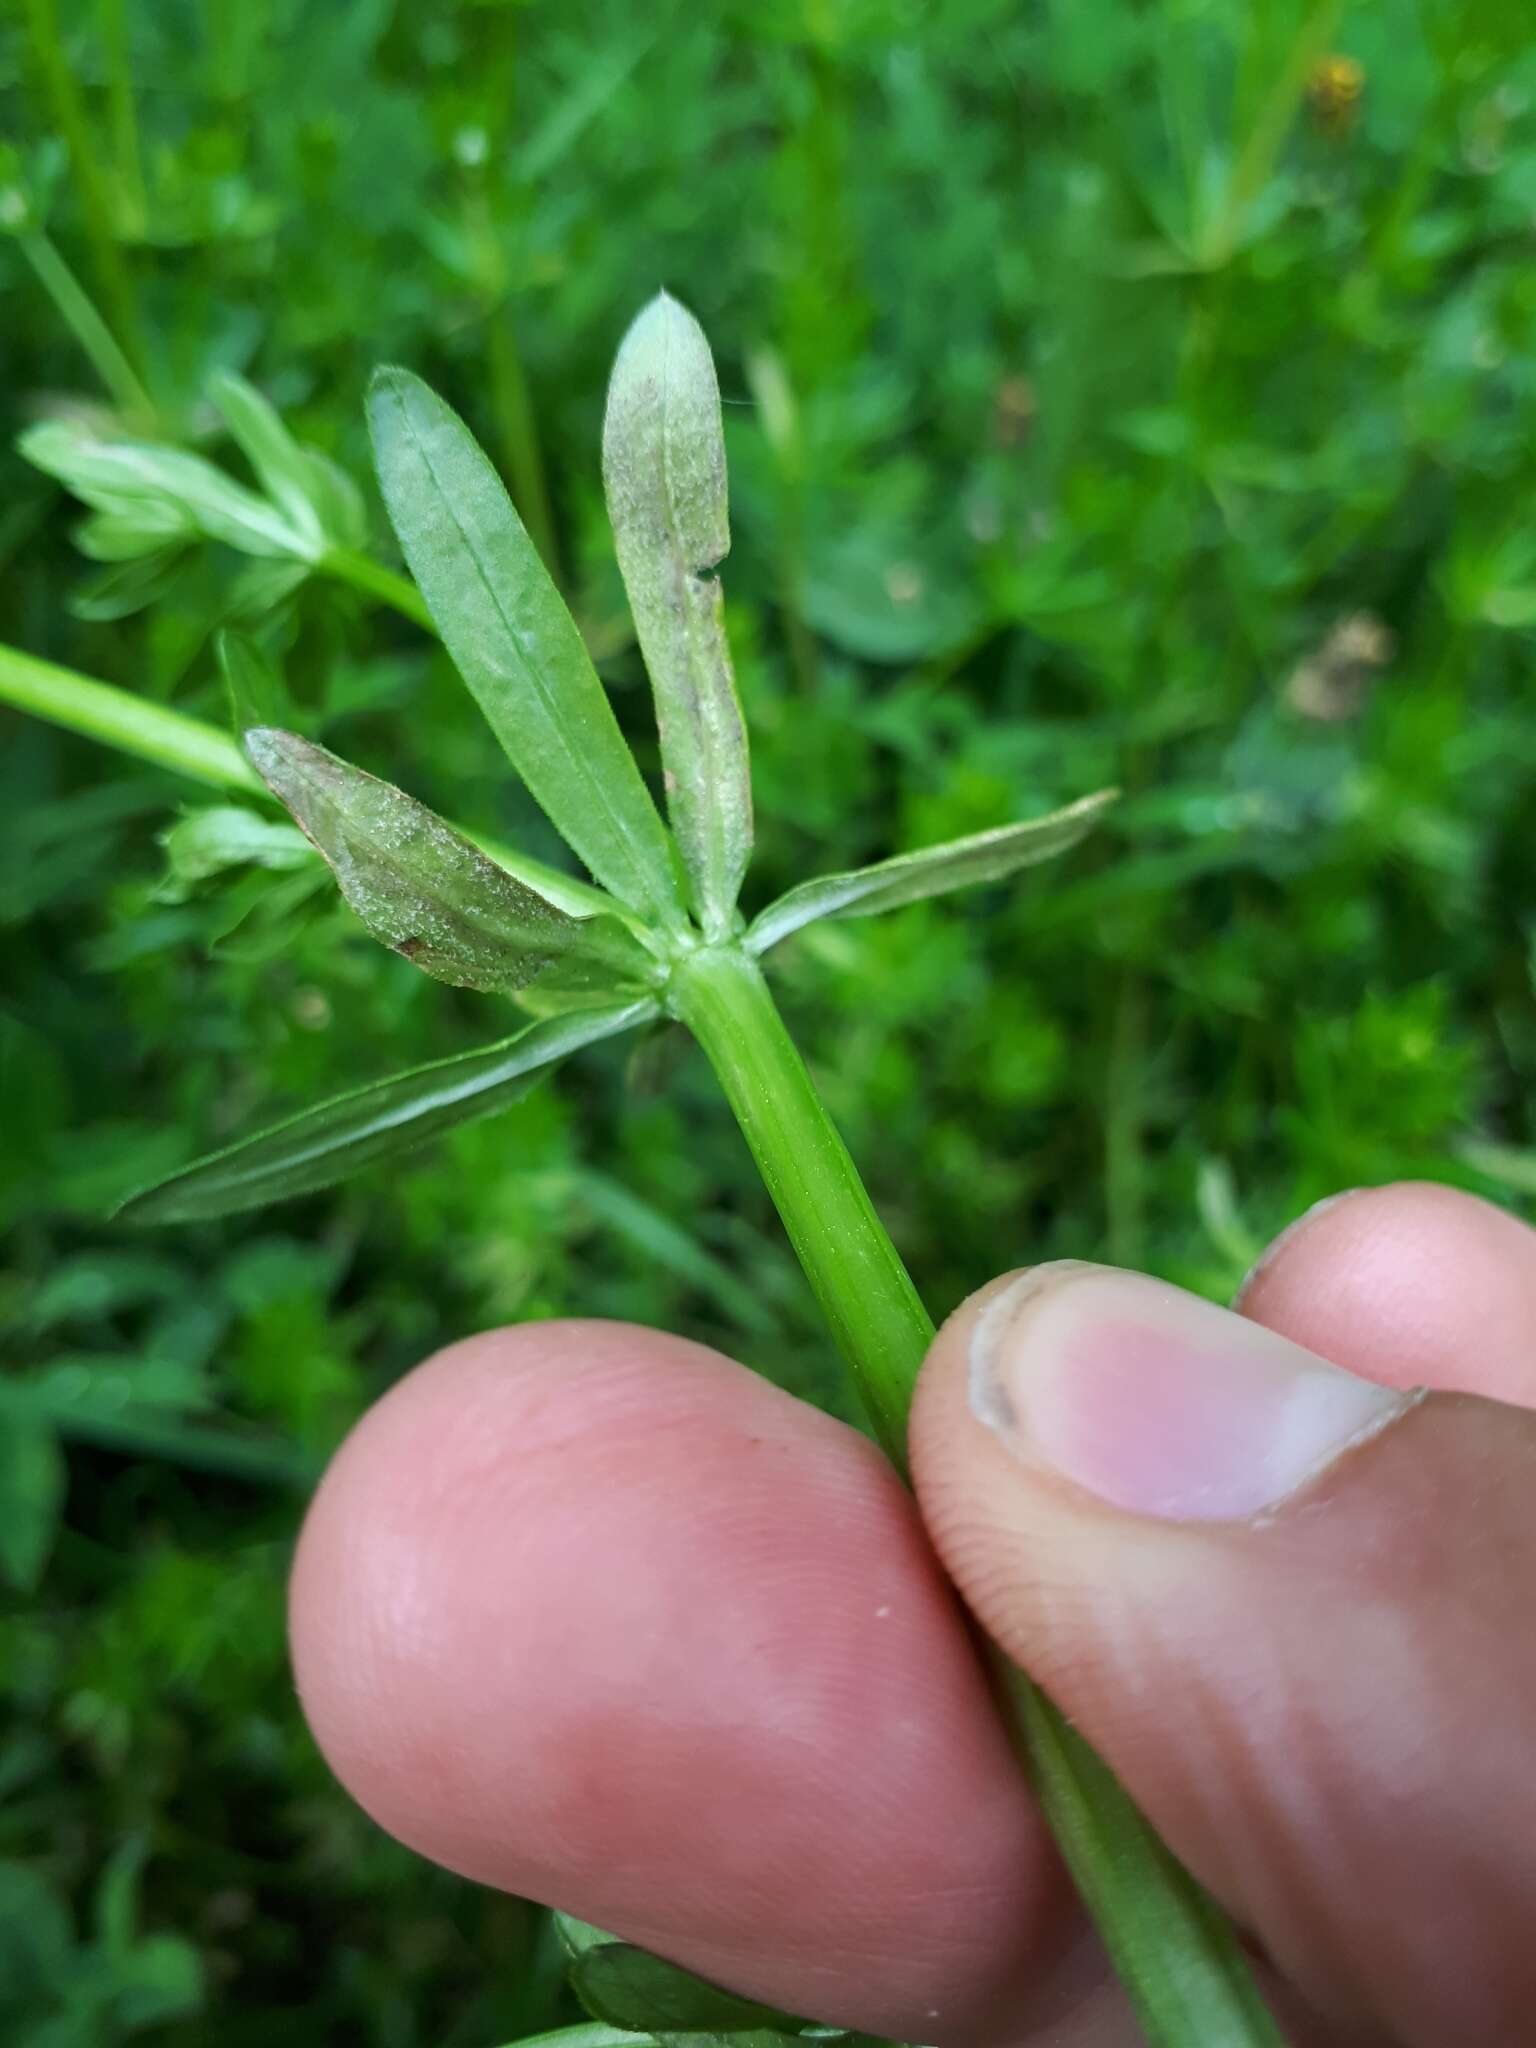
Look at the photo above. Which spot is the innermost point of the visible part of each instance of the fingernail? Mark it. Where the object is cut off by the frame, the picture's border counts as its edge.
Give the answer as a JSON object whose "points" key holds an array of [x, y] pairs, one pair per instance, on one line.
{"points": [[1158, 1402]]}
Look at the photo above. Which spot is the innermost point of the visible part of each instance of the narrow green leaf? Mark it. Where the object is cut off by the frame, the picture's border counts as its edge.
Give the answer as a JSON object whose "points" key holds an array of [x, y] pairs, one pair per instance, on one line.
{"points": [[664, 473], [577, 1936], [587, 2034], [279, 462], [629, 1987], [514, 642], [252, 680], [421, 887], [220, 836], [932, 871], [387, 1117], [166, 490], [31, 1494]]}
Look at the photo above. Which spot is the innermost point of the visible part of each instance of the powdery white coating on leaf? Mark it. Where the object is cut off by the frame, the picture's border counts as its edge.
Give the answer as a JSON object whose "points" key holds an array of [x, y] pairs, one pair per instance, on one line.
{"points": [[664, 474], [514, 642], [931, 871], [418, 885]]}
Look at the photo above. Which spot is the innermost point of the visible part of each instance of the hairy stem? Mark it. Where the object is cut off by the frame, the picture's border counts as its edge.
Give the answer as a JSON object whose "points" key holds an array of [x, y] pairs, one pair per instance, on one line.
{"points": [[1180, 1961]]}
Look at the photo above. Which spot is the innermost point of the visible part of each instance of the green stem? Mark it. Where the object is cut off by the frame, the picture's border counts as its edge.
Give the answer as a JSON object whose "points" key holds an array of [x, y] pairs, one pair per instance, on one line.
{"points": [[96, 339], [1124, 1095], [113, 18], [1182, 1967], [186, 746], [348, 565], [68, 111], [170, 1439], [118, 719], [519, 437], [1266, 138], [856, 1274]]}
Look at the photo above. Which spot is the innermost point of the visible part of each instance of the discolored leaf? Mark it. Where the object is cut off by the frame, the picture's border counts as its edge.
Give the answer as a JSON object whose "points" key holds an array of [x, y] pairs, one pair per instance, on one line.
{"points": [[932, 871], [514, 642], [388, 1117], [664, 473], [424, 889]]}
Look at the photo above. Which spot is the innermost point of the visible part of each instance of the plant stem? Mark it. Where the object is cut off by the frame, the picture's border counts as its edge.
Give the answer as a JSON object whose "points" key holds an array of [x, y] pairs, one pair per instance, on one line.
{"points": [[187, 746], [856, 1274], [1182, 1967], [170, 1438], [68, 112], [519, 436], [118, 719], [1261, 148], [96, 339], [1124, 1091], [113, 21], [348, 565]]}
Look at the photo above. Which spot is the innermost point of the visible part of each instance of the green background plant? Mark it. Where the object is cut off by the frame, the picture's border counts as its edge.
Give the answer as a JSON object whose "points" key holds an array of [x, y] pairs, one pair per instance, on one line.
{"points": [[1080, 383]]}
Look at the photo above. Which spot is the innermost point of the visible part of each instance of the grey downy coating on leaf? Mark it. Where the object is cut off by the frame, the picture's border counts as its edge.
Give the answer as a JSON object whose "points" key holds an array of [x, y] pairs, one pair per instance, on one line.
{"points": [[378, 1121], [664, 474], [421, 887], [515, 644], [931, 871]]}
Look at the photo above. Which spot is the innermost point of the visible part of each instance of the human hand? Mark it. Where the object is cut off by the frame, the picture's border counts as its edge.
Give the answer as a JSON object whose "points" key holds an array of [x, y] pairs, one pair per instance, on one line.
{"points": [[592, 1614]]}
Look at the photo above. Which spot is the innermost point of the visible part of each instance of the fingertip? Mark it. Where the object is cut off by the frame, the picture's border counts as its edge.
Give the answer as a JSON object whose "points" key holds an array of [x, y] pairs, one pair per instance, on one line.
{"points": [[594, 1615], [1414, 1284]]}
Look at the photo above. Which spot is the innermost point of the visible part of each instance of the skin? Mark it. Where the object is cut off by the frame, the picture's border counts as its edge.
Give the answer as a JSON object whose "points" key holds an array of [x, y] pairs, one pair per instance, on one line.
{"points": [[592, 1614]]}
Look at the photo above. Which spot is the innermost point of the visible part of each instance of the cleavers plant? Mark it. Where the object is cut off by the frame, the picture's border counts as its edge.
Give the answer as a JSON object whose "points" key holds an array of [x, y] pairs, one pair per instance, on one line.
{"points": [[656, 933]]}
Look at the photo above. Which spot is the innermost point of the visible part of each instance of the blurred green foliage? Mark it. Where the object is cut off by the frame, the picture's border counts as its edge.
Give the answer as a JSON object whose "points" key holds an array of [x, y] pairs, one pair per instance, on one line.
{"points": [[1116, 392]]}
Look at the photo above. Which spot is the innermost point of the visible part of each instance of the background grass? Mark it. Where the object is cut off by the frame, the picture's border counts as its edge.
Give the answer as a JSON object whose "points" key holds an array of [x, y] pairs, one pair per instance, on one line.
{"points": [[1091, 367]]}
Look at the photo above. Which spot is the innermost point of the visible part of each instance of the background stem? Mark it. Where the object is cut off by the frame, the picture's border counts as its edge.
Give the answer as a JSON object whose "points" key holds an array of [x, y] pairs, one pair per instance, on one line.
{"points": [[1179, 1959], [91, 183], [96, 339], [349, 565], [118, 719]]}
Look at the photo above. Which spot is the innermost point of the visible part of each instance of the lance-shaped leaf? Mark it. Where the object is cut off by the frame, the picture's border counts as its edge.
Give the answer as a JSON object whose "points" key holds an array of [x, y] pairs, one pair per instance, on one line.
{"points": [[514, 642], [664, 473], [147, 495], [421, 887], [932, 871], [271, 451], [315, 496], [629, 1987], [354, 1130]]}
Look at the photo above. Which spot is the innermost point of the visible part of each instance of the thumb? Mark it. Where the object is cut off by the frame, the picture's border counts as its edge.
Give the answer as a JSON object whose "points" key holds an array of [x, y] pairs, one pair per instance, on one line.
{"points": [[1290, 1606]]}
